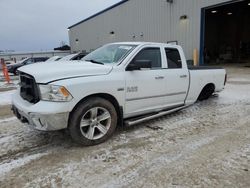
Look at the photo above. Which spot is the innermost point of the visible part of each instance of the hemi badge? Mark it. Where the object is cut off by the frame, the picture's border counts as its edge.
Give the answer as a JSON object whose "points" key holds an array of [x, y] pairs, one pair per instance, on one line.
{"points": [[120, 89]]}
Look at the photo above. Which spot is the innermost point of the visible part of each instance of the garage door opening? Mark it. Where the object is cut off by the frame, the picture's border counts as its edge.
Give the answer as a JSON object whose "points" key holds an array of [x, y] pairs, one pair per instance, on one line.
{"points": [[226, 31]]}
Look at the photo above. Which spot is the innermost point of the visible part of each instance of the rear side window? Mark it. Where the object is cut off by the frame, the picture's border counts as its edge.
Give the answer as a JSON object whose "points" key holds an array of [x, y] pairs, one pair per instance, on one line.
{"points": [[173, 58], [152, 54]]}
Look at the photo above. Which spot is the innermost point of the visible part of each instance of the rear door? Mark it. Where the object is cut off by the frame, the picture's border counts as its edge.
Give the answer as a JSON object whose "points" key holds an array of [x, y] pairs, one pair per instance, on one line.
{"points": [[177, 77], [145, 88]]}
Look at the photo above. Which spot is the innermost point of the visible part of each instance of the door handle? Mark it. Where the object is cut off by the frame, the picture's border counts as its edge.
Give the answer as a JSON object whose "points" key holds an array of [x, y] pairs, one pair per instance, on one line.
{"points": [[159, 77], [183, 76]]}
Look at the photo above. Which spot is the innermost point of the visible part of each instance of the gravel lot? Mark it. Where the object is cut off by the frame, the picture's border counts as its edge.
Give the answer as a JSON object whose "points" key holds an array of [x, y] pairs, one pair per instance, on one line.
{"points": [[205, 145]]}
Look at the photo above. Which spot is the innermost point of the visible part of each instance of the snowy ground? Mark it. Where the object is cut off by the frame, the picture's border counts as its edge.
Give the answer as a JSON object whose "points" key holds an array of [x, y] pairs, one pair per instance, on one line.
{"points": [[4, 86], [7, 89], [205, 145], [5, 97]]}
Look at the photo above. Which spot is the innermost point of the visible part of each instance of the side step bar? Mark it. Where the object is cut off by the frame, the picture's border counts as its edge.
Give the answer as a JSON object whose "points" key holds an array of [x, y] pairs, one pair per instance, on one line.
{"points": [[159, 114]]}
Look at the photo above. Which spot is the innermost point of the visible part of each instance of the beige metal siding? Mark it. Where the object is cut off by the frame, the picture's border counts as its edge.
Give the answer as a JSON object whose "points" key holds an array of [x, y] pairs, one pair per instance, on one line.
{"points": [[157, 20]]}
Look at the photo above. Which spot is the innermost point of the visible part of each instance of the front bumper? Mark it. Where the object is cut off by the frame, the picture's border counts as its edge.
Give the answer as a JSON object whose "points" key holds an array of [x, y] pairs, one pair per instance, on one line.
{"points": [[44, 116]]}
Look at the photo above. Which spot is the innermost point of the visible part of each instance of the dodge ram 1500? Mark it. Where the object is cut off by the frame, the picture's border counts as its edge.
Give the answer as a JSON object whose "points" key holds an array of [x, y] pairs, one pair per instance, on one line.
{"points": [[117, 84]]}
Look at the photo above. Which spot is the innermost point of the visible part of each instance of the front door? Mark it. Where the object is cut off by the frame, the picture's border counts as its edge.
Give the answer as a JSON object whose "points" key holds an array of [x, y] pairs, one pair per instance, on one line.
{"points": [[145, 88]]}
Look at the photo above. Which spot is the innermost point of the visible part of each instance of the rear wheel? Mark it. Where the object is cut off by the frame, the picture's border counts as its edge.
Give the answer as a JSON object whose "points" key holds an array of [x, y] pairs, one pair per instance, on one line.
{"points": [[206, 92], [93, 122]]}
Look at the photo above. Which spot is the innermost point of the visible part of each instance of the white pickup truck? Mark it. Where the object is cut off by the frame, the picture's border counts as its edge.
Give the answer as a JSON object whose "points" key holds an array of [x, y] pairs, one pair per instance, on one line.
{"points": [[117, 84]]}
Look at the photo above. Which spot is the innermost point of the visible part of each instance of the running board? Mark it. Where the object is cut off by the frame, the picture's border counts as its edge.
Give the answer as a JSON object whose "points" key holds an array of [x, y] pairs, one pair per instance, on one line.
{"points": [[159, 114]]}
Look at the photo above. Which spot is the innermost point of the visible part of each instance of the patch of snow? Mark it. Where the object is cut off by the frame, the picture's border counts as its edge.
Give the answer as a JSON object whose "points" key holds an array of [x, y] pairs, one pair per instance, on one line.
{"points": [[234, 93], [238, 80], [13, 78], [197, 144], [5, 97], [14, 83], [7, 119], [7, 167], [6, 139]]}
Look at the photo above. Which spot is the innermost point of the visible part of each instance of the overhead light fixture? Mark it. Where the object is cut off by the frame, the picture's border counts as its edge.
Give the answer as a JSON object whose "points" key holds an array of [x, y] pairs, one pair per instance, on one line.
{"points": [[248, 4], [183, 17], [229, 13], [214, 11]]}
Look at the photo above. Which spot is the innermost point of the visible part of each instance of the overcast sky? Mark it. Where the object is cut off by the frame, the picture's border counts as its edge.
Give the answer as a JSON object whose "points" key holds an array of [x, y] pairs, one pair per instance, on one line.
{"points": [[31, 25]]}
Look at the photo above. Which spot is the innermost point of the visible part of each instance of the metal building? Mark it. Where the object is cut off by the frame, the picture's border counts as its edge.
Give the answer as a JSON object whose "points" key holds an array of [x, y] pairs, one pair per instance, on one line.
{"points": [[185, 22]]}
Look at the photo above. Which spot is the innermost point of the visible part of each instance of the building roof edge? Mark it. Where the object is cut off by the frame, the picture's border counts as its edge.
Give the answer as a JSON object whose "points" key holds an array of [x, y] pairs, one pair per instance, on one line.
{"points": [[101, 12]]}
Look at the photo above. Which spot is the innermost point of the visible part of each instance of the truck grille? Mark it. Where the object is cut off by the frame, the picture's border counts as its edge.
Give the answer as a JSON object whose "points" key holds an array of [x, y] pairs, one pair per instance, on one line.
{"points": [[28, 88]]}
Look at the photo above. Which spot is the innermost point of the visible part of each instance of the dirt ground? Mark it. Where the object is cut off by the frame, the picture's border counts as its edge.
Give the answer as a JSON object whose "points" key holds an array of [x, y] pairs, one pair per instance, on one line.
{"points": [[205, 145]]}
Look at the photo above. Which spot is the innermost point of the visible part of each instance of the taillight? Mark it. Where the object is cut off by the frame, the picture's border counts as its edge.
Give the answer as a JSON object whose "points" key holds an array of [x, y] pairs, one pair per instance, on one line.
{"points": [[225, 81]]}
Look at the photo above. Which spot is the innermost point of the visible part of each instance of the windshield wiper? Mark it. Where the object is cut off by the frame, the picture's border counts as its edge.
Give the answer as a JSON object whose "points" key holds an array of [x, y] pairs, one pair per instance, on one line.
{"points": [[96, 62]]}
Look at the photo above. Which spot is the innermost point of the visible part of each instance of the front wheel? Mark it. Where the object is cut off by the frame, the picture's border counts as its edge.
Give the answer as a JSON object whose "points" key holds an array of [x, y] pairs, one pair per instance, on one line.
{"points": [[93, 122]]}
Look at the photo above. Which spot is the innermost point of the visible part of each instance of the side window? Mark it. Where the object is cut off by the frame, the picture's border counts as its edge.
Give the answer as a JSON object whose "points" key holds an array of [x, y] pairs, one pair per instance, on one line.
{"points": [[173, 58], [152, 54]]}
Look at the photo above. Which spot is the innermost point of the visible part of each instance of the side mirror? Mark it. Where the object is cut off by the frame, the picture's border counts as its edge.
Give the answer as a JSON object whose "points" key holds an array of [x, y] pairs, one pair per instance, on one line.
{"points": [[139, 64], [132, 66]]}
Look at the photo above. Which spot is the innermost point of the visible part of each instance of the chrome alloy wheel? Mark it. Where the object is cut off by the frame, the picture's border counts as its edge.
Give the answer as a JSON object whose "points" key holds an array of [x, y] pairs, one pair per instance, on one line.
{"points": [[95, 123]]}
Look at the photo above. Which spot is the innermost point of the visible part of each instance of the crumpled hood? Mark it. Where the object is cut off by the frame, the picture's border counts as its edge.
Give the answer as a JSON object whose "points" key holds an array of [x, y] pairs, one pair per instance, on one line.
{"points": [[50, 71]]}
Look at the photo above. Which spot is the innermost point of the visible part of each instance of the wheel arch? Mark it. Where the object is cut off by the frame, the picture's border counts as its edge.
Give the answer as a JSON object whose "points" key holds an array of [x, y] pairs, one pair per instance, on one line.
{"points": [[207, 87], [108, 97]]}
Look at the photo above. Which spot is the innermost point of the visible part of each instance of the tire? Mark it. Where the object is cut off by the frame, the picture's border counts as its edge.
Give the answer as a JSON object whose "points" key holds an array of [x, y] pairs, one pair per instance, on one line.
{"points": [[93, 122], [206, 92]]}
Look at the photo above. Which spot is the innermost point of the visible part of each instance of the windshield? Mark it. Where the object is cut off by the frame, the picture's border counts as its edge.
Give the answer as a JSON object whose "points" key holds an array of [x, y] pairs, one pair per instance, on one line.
{"points": [[111, 53]]}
